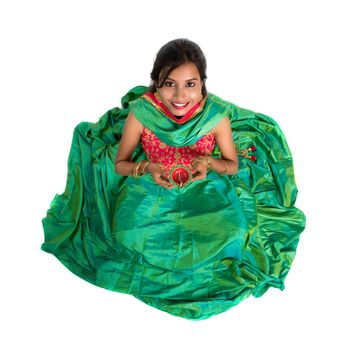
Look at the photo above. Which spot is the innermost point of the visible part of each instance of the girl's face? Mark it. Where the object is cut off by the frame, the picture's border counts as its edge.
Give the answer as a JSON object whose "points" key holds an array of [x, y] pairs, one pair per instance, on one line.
{"points": [[181, 89]]}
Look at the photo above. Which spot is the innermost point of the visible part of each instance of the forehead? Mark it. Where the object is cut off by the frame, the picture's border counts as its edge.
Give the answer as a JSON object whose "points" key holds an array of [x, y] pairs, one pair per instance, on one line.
{"points": [[184, 72]]}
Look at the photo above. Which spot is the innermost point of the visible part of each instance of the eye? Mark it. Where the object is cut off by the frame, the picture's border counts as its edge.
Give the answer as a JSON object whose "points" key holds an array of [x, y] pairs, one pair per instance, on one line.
{"points": [[191, 84], [169, 83]]}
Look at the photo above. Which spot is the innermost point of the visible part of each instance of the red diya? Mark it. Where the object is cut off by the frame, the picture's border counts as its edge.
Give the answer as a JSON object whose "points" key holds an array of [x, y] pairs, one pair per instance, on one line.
{"points": [[180, 175]]}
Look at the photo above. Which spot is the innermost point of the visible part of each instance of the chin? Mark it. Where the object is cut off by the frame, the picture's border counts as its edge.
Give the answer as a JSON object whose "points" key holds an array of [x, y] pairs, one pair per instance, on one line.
{"points": [[180, 113]]}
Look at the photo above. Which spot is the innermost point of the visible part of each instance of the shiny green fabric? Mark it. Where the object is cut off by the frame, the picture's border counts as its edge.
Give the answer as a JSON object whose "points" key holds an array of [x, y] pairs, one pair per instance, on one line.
{"points": [[193, 252], [180, 135]]}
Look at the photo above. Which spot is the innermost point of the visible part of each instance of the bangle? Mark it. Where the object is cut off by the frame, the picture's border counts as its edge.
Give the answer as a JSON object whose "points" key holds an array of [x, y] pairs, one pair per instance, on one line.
{"points": [[204, 160], [136, 169], [135, 172], [208, 159], [146, 163], [226, 168]]}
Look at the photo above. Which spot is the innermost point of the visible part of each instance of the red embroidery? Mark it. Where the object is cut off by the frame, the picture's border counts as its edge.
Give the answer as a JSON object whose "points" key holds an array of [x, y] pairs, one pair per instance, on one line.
{"points": [[170, 156]]}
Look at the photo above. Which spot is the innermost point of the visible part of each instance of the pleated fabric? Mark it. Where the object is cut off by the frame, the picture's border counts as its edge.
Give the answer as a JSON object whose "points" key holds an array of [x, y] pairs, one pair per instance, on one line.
{"points": [[195, 251]]}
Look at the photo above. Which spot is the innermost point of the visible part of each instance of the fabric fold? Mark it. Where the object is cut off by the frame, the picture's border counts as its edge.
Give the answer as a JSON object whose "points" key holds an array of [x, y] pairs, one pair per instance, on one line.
{"points": [[193, 252]]}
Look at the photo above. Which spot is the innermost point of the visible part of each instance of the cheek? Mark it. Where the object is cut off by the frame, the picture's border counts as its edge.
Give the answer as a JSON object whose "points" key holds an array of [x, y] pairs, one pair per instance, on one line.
{"points": [[165, 94], [195, 94]]}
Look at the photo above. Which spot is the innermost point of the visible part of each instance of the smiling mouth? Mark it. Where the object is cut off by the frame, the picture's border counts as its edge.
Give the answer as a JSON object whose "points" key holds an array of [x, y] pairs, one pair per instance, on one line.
{"points": [[179, 106]]}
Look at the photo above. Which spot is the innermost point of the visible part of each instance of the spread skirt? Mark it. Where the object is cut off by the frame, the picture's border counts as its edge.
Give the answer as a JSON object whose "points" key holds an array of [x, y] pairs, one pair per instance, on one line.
{"points": [[193, 252]]}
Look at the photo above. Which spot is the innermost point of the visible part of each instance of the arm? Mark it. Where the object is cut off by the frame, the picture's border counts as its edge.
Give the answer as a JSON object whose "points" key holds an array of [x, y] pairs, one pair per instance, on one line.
{"points": [[223, 137], [131, 136]]}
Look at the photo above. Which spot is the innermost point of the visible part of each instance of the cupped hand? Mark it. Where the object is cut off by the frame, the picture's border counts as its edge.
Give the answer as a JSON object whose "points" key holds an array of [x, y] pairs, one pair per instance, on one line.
{"points": [[159, 175], [201, 170]]}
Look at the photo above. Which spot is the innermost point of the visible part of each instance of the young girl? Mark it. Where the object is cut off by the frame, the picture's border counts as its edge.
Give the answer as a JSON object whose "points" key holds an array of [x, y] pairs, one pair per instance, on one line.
{"points": [[162, 205], [179, 86]]}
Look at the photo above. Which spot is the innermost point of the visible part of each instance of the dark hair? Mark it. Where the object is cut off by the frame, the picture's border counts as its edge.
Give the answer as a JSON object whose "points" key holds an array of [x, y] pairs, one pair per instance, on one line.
{"points": [[172, 55]]}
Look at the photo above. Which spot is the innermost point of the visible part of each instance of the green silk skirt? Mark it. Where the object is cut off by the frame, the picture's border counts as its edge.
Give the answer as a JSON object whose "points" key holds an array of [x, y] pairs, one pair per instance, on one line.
{"points": [[193, 252]]}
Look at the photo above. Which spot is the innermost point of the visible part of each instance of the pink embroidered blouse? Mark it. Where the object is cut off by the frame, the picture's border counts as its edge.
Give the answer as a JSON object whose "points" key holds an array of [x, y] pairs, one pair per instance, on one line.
{"points": [[169, 156]]}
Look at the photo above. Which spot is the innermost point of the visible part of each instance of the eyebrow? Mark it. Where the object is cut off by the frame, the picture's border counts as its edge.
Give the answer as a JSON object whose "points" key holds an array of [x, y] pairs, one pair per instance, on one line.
{"points": [[185, 80]]}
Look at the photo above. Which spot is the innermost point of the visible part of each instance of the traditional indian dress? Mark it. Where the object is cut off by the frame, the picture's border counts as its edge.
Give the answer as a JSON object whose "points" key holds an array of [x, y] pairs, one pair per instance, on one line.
{"points": [[193, 251]]}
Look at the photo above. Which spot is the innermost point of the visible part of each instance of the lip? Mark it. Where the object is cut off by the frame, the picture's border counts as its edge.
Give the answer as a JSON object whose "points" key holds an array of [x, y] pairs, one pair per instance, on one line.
{"points": [[180, 107]]}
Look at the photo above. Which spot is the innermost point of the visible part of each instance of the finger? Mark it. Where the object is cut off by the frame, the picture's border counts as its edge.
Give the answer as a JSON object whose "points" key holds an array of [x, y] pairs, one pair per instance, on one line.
{"points": [[167, 186], [159, 178], [198, 177], [163, 177], [163, 182], [198, 174], [194, 177]]}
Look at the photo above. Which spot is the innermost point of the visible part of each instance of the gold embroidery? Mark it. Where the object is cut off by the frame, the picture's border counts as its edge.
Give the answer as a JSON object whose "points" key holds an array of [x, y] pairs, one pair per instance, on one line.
{"points": [[177, 155]]}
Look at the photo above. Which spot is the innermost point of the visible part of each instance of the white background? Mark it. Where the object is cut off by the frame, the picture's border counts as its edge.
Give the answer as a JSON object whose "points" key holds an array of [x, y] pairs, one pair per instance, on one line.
{"points": [[63, 62]]}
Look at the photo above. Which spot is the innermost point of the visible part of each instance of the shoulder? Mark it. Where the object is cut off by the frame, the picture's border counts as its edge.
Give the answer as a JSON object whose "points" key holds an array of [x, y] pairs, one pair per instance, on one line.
{"points": [[223, 124], [219, 107], [133, 121]]}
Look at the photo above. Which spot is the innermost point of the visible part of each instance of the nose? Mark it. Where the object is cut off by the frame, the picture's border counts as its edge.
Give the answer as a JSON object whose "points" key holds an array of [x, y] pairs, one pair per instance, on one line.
{"points": [[180, 93]]}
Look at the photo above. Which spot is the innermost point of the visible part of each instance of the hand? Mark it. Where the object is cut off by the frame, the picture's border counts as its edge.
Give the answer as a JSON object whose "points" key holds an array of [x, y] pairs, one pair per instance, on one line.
{"points": [[201, 170], [159, 175]]}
